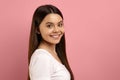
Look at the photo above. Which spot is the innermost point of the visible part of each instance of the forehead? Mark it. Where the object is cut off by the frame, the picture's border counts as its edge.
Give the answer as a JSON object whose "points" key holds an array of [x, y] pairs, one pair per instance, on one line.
{"points": [[54, 18]]}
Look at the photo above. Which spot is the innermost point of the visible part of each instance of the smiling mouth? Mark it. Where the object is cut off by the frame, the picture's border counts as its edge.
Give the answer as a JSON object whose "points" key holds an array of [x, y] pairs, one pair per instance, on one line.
{"points": [[55, 36]]}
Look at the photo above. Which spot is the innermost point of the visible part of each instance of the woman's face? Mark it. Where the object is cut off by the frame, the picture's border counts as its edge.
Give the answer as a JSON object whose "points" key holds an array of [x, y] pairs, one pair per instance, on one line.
{"points": [[51, 28]]}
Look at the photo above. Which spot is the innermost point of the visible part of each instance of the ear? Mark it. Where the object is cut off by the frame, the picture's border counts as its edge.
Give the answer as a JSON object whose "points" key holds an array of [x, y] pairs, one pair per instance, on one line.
{"points": [[37, 30]]}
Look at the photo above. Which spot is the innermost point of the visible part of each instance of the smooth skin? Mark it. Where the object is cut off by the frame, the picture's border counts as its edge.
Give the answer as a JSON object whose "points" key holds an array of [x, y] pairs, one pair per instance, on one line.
{"points": [[51, 30]]}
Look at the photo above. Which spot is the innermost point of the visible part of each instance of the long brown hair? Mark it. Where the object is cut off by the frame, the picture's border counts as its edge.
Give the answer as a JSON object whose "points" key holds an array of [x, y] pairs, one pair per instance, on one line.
{"points": [[36, 38]]}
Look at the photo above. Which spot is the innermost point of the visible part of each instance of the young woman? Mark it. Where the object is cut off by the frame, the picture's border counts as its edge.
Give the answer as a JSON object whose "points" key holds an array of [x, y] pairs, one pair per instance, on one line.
{"points": [[47, 53]]}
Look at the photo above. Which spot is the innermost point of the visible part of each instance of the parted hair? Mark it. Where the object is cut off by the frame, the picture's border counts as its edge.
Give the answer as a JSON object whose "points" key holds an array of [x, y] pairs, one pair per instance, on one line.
{"points": [[35, 39]]}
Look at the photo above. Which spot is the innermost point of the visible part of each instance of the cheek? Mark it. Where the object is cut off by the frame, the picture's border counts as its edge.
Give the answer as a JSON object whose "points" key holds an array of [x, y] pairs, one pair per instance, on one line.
{"points": [[45, 33], [44, 30], [63, 31]]}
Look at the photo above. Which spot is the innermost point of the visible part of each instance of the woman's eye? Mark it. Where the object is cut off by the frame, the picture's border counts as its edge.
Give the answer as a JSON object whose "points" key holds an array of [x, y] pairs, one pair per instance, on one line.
{"points": [[60, 24], [50, 26]]}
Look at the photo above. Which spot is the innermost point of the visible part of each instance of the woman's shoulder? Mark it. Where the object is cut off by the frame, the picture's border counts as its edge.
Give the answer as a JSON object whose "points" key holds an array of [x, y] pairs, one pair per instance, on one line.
{"points": [[39, 57], [40, 53]]}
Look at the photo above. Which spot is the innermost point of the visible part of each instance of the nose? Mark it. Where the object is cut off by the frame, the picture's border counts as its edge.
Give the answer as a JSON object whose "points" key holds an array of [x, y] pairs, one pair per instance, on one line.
{"points": [[56, 29]]}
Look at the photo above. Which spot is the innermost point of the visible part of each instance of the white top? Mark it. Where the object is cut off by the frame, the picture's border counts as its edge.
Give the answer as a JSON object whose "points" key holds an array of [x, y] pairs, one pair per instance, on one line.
{"points": [[43, 66]]}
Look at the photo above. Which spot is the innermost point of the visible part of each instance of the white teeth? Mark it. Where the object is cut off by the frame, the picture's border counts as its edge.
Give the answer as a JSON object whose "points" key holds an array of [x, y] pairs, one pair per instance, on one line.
{"points": [[55, 36]]}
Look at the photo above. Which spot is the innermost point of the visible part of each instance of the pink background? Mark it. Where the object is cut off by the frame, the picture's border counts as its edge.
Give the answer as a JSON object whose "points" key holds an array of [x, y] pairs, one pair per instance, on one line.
{"points": [[92, 34]]}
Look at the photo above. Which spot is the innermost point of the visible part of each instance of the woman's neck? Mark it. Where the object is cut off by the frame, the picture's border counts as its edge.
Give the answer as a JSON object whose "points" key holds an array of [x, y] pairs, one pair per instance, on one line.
{"points": [[47, 46]]}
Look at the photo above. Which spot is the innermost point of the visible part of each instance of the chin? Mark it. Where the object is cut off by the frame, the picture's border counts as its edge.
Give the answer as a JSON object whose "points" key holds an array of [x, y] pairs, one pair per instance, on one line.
{"points": [[56, 42]]}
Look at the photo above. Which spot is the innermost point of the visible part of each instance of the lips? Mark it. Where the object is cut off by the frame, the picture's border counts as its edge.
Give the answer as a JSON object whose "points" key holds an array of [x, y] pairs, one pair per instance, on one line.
{"points": [[55, 36]]}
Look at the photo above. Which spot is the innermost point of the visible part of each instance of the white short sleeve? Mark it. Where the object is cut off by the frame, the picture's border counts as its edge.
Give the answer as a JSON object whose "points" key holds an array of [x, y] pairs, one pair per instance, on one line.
{"points": [[39, 68]]}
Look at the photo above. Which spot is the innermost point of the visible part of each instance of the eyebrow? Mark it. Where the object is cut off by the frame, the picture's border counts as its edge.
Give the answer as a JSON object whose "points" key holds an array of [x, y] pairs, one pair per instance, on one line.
{"points": [[52, 22], [61, 21]]}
